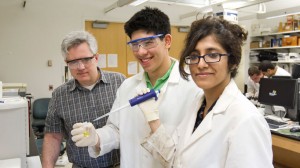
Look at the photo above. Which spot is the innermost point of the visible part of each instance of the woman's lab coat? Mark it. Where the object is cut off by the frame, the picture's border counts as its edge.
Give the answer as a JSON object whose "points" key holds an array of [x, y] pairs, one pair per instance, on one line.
{"points": [[128, 128], [232, 135]]}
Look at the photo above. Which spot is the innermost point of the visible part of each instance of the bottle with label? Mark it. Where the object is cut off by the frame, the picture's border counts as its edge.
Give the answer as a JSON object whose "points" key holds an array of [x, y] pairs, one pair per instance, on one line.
{"points": [[280, 28]]}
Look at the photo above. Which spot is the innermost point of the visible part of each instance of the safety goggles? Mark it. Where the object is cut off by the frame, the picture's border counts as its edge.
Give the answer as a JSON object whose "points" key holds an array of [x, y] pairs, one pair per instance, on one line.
{"points": [[146, 42], [74, 64]]}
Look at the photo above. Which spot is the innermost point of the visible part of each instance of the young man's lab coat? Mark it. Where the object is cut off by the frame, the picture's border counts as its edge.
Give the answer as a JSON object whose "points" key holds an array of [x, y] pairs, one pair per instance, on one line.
{"points": [[128, 128]]}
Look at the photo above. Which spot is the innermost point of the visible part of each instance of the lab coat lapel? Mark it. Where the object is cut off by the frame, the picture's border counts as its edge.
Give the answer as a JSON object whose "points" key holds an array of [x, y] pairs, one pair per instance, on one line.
{"points": [[203, 128], [174, 77], [141, 82], [189, 121], [228, 95]]}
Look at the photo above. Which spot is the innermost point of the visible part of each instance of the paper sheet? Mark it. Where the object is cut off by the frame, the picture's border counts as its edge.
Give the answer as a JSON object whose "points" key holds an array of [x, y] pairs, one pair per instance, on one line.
{"points": [[112, 60], [102, 61]]}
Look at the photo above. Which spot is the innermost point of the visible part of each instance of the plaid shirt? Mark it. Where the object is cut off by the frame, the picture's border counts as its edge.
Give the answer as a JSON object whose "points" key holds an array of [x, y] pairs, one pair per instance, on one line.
{"points": [[71, 103]]}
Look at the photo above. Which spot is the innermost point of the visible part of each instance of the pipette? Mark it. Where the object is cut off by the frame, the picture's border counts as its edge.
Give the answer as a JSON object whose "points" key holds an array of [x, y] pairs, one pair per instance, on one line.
{"points": [[134, 101]]}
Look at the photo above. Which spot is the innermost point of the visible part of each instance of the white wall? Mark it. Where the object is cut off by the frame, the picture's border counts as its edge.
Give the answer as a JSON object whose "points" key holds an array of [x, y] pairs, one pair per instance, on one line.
{"points": [[31, 36]]}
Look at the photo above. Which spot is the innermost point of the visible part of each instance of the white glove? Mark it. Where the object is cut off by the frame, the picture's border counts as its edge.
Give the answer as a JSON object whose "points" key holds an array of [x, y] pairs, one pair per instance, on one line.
{"points": [[84, 134], [150, 107]]}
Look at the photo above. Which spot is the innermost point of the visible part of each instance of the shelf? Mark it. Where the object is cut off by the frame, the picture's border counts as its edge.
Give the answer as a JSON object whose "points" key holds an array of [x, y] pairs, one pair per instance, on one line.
{"points": [[278, 33], [275, 48], [266, 39]]}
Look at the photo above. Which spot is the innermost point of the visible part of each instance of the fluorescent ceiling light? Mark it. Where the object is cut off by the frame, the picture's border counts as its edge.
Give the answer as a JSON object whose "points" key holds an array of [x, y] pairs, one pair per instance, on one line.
{"points": [[249, 3], [137, 2], [279, 13], [272, 17], [261, 9], [235, 5], [182, 3], [121, 3]]}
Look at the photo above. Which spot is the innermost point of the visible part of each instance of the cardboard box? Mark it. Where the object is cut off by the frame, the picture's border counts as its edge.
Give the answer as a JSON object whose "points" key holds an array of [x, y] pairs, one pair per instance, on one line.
{"points": [[290, 41], [266, 44], [254, 44]]}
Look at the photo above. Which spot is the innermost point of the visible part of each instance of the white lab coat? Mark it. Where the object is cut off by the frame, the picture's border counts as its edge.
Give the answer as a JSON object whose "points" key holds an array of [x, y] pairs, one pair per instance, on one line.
{"points": [[232, 135], [252, 88], [281, 72], [128, 128]]}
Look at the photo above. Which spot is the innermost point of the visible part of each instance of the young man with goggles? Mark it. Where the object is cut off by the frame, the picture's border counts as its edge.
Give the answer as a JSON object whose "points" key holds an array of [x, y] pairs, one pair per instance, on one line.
{"points": [[149, 31]]}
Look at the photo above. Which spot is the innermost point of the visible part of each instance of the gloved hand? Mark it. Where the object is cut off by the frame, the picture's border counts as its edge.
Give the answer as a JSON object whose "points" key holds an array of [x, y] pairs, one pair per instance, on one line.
{"points": [[84, 134], [150, 107]]}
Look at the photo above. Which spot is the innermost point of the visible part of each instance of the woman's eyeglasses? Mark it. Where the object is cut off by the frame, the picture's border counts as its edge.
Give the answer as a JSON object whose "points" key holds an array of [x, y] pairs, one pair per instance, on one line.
{"points": [[208, 58]]}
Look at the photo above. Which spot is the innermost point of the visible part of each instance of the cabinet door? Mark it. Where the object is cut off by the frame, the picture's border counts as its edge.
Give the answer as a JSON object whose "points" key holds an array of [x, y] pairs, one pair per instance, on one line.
{"points": [[111, 40]]}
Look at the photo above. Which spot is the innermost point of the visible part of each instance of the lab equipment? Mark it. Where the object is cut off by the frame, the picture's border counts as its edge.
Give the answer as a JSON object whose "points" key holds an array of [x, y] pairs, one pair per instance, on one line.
{"points": [[14, 89], [134, 101], [295, 129], [14, 126], [296, 71], [280, 92], [273, 124], [150, 108]]}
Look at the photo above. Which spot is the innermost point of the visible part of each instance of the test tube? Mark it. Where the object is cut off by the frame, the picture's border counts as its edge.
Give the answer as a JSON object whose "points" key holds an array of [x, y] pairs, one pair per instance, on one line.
{"points": [[86, 133]]}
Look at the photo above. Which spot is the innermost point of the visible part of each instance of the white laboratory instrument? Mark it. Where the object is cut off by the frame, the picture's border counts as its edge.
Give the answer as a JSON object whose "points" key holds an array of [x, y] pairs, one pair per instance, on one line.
{"points": [[14, 128]]}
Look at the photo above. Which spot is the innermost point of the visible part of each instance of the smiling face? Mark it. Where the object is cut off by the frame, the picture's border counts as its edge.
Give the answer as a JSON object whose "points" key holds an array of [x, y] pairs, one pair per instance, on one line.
{"points": [[210, 76], [155, 61], [86, 72]]}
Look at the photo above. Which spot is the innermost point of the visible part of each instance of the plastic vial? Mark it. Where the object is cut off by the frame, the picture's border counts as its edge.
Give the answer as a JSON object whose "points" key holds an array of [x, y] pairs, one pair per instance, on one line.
{"points": [[86, 133]]}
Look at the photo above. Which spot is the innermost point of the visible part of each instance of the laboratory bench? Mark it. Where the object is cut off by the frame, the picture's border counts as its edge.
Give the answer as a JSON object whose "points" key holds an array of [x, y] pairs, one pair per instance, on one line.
{"points": [[286, 150]]}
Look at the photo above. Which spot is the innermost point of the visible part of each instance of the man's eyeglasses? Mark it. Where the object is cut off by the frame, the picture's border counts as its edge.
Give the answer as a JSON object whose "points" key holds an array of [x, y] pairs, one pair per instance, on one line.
{"points": [[74, 64], [146, 43], [208, 58]]}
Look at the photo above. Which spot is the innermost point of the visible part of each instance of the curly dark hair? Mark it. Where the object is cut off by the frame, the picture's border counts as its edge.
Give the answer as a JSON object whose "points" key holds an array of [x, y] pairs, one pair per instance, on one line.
{"points": [[230, 36], [149, 19], [265, 65]]}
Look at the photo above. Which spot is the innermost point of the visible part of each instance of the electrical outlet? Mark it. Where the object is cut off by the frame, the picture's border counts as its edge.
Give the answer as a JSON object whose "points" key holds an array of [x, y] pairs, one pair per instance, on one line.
{"points": [[49, 63], [50, 87]]}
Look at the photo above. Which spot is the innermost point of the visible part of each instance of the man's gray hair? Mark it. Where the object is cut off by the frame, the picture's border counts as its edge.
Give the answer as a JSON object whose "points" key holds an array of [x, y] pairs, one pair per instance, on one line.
{"points": [[75, 38]]}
